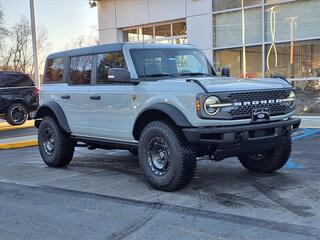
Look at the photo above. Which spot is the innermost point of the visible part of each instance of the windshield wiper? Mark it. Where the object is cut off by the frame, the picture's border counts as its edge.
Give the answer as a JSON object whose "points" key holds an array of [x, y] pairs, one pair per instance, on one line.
{"points": [[194, 74], [158, 75]]}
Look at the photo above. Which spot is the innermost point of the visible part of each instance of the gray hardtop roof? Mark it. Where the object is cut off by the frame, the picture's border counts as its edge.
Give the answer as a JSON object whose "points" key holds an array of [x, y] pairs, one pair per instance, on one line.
{"points": [[113, 47]]}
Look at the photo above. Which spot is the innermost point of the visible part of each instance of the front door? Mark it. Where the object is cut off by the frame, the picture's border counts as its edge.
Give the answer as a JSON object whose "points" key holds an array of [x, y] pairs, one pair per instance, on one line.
{"points": [[111, 104]]}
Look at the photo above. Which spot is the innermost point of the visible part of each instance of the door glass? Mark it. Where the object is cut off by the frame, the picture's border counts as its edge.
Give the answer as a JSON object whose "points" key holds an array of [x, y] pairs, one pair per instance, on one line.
{"points": [[80, 69], [106, 61]]}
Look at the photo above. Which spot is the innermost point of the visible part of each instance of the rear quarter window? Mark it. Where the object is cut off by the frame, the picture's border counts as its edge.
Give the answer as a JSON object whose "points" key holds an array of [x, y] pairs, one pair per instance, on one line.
{"points": [[15, 80], [54, 70]]}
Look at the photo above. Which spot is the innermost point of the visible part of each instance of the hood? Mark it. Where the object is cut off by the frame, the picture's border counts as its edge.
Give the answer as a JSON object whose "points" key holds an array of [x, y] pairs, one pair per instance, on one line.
{"points": [[223, 84]]}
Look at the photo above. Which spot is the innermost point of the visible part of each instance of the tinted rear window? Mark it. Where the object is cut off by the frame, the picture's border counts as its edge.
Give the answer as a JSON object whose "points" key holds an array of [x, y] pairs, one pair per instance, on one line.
{"points": [[80, 69], [54, 70], [15, 80]]}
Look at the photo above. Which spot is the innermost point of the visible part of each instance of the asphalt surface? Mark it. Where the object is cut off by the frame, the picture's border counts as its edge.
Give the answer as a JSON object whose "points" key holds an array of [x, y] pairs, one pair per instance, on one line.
{"points": [[18, 133], [103, 195]]}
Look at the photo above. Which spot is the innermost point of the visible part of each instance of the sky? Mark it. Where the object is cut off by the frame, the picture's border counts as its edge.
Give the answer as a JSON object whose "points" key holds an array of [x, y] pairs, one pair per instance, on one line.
{"points": [[65, 20]]}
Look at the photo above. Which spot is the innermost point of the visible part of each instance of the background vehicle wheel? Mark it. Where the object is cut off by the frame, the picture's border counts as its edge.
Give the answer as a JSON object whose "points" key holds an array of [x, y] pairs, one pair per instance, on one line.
{"points": [[17, 114], [270, 161], [166, 157], [55, 146]]}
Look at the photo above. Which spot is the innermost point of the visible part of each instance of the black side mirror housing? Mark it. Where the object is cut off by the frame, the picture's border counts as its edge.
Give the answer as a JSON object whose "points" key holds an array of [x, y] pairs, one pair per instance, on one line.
{"points": [[119, 75], [225, 72]]}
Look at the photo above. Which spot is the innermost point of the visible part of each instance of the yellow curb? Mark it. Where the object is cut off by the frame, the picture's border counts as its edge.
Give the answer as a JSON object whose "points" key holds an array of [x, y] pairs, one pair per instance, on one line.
{"points": [[21, 144], [7, 126]]}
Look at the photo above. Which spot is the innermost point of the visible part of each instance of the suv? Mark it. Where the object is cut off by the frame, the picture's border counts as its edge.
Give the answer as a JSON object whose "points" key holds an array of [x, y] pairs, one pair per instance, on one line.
{"points": [[18, 97], [166, 104]]}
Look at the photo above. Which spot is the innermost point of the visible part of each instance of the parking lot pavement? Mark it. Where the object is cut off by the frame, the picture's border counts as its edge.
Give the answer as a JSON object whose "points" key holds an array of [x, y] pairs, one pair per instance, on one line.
{"points": [[103, 195]]}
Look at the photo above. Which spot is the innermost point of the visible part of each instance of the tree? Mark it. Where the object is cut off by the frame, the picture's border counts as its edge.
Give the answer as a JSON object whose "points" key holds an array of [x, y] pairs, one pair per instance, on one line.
{"points": [[3, 31], [18, 55]]}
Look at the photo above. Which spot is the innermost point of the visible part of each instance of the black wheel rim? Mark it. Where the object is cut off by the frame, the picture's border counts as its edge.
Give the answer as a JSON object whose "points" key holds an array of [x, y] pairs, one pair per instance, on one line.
{"points": [[18, 114], [258, 156], [158, 156], [48, 141]]}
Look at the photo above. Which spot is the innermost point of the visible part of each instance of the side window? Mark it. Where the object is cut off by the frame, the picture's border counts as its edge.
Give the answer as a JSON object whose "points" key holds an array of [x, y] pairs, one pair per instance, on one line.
{"points": [[80, 69], [106, 61], [54, 70], [15, 80]]}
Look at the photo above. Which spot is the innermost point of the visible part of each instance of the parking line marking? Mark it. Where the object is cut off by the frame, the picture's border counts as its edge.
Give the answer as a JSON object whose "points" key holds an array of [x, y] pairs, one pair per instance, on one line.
{"points": [[308, 132]]}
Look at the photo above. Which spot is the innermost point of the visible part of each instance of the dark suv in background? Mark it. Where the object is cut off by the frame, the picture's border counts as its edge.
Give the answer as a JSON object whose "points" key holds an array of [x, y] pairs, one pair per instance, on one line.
{"points": [[18, 97]]}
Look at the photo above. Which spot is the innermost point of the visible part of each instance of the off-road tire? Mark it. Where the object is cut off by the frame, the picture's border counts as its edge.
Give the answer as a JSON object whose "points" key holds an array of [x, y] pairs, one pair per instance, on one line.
{"points": [[181, 157], [63, 150], [10, 117], [271, 161]]}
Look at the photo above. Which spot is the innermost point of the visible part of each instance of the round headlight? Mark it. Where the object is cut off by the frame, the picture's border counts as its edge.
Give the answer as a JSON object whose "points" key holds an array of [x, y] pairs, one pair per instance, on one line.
{"points": [[292, 98], [209, 105]]}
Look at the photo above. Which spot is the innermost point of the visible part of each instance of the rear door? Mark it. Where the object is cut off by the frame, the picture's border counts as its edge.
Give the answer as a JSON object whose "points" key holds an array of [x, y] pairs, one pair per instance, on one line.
{"points": [[111, 104], [76, 101]]}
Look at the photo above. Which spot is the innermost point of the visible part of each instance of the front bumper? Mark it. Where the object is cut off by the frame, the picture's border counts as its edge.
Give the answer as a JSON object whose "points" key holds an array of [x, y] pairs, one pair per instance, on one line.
{"points": [[223, 142], [234, 134]]}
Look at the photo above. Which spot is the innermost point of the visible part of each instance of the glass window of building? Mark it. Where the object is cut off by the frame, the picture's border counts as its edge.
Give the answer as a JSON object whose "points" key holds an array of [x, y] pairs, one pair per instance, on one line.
{"points": [[232, 58], [179, 29], [131, 35], [303, 63], [80, 69], [175, 32], [147, 34], [297, 20], [219, 5], [228, 28], [107, 61], [162, 31]]}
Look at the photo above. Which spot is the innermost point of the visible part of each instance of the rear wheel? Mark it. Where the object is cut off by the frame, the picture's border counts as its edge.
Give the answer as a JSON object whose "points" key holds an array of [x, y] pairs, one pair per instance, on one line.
{"points": [[166, 157], [55, 146], [269, 161], [17, 114]]}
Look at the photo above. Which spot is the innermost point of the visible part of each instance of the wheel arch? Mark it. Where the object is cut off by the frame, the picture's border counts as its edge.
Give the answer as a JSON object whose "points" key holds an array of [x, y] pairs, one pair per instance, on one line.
{"points": [[17, 100], [52, 109], [159, 111]]}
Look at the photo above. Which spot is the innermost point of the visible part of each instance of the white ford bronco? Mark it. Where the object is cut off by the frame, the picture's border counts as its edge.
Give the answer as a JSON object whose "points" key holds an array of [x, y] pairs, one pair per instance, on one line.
{"points": [[166, 104]]}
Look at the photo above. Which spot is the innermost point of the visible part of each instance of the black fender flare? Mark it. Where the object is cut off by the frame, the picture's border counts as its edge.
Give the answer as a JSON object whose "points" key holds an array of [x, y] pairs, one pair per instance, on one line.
{"points": [[174, 113], [49, 109], [171, 111]]}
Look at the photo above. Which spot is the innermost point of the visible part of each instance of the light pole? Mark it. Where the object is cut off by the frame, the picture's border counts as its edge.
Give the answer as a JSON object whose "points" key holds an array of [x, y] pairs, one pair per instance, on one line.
{"points": [[244, 58], [34, 44]]}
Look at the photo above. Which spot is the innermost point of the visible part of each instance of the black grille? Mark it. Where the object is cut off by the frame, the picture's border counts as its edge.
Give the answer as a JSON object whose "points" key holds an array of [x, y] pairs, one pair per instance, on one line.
{"points": [[256, 96], [245, 111]]}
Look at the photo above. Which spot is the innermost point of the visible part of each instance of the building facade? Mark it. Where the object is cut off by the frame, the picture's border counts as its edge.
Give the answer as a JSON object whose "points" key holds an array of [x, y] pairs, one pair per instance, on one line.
{"points": [[254, 38]]}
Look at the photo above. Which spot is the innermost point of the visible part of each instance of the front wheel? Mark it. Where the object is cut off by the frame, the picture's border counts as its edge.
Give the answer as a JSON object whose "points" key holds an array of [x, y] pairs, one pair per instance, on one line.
{"points": [[269, 161], [55, 146], [166, 157]]}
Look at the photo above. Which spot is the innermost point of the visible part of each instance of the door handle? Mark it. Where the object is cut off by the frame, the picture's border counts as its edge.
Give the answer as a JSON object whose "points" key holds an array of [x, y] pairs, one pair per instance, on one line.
{"points": [[95, 97], [65, 96]]}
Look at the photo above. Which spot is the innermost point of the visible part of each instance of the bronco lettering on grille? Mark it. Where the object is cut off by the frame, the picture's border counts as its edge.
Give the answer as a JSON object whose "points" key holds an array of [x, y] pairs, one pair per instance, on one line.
{"points": [[249, 103]]}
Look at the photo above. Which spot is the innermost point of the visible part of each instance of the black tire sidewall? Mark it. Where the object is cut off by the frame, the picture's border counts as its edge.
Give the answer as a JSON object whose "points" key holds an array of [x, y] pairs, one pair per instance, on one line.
{"points": [[9, 117], [159, 129], [54, 159]]}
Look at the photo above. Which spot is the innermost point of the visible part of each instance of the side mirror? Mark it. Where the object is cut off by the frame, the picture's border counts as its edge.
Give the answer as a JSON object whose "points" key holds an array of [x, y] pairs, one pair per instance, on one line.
{"points": [[225, 72], [119, 75]]}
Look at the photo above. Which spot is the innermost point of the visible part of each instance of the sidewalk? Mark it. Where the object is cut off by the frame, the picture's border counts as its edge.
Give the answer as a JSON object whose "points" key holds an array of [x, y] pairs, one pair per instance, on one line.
{"points": [[17, 136]]}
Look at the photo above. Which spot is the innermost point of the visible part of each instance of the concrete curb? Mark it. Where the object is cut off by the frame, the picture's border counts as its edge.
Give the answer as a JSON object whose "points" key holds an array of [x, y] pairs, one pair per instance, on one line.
{"points": [[20, 144], [7, 127]]}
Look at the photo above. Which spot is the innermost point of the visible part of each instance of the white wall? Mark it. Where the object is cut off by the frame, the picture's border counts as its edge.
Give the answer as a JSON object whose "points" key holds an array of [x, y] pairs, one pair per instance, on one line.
{"points": [[115, 15]]}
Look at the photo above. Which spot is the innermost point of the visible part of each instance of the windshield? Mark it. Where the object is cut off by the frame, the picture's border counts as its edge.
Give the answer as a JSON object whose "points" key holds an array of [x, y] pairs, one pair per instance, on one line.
{"points": [[170, 62]]}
